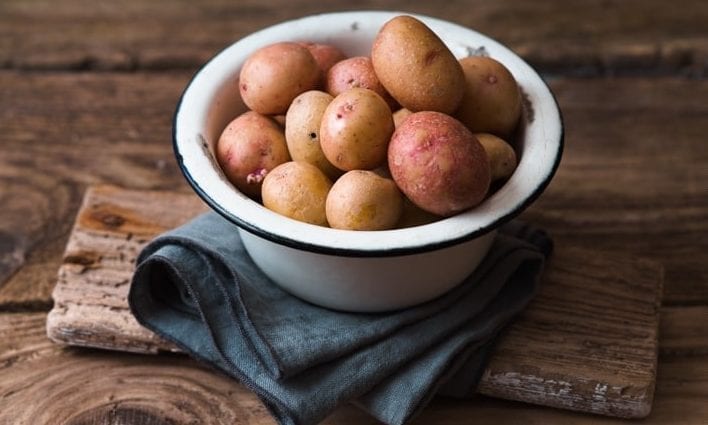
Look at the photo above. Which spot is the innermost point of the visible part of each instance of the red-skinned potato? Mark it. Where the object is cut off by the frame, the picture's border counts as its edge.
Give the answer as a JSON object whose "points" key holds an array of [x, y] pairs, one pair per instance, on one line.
{"points": [[416, 67], [438, 163], [275, 74], [326, 55], [356, 72], [249, 147], [355, 131]]}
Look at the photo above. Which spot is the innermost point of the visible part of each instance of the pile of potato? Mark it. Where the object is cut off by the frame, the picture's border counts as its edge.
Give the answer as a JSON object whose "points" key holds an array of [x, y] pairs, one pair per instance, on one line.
{"points": [[401, 138]]}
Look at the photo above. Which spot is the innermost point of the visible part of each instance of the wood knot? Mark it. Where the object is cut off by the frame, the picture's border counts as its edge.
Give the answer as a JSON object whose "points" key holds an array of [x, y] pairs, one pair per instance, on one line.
{"points": [[108, 219]]}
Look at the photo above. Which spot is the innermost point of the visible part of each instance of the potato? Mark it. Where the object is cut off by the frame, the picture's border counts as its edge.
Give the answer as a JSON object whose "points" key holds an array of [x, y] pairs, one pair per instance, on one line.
{"points": [[302, 130], [502, 158], [399, 116], [297, 190], [412, 215], [249, 147], [363, 200], [355, 131], [356, 72], [275, 74], [492, 99], [416, 67], [438, 163], [326, 55]]}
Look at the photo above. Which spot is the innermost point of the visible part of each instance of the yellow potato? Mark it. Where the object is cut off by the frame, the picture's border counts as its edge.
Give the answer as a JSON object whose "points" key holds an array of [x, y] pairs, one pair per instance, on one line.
{"points": [[355, 131], [302, 130], [413, 215], [249, 147], [502, 158], [416, 67], [276, 74], [363, 200], [492, 99], [297, 190]]}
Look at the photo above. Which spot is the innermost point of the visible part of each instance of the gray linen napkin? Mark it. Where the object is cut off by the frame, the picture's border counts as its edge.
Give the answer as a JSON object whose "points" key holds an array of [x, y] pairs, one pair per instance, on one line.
{"points": [[197, 287]]}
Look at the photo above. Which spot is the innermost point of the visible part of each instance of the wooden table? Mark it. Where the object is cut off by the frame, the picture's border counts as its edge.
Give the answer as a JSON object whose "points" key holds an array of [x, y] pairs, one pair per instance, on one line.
{"points": [[87, 91]]}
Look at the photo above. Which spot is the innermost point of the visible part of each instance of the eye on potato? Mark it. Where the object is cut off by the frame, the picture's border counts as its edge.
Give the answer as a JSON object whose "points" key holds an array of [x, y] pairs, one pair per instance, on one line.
{"points": [[355, 131], [297, 190], [302, 130], [363, 200], [275, 74], [249, 147], [492, 99], [438, 163], [416, 67]]}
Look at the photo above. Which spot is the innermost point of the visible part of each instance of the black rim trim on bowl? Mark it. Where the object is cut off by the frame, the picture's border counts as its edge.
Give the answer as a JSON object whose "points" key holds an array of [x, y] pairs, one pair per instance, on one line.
{"points": [[390, 252]]}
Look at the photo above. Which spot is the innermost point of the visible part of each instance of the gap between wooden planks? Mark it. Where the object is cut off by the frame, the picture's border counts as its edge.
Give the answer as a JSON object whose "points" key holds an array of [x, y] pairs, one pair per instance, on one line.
{"points": [[588, 342]]}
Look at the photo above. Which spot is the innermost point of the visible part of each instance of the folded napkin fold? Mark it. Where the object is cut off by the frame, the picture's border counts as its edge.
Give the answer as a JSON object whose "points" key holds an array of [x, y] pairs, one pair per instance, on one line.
{"points": [[197, 287]]}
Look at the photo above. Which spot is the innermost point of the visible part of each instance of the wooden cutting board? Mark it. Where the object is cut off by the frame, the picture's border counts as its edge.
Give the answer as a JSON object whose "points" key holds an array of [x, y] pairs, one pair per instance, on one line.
{"points": [[588, 342]]}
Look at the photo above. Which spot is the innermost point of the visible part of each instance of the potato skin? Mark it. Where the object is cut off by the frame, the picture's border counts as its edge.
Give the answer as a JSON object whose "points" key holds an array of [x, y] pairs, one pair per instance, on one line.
{"points": [[502, 158], [492, 99], [438, 163], [416, 67], [355, 131], [400, 115], [364, 200], [249, 147], [297, 190], [353, 72], [275, 74], [302, 130], [412, 215], [326, 55]]}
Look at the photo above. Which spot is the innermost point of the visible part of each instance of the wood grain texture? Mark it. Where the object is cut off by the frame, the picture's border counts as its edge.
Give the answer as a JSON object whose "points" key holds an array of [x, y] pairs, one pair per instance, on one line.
{"points": [[111, 228], [60, 133], [588, 342], [683, 331], [44, 383], [586, 37]]}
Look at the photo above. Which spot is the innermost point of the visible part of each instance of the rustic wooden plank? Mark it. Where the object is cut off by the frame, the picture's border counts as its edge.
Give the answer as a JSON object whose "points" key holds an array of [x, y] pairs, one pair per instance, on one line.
{"points": [[110, 229], [579, 37], [82, 129], [631, 181], [588, 341], [544, 358], [683, 331], [43, 383]]}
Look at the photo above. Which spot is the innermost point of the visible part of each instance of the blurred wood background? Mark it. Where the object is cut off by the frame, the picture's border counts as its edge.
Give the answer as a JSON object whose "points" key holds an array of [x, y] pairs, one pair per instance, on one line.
{"points": [[87, 91]]}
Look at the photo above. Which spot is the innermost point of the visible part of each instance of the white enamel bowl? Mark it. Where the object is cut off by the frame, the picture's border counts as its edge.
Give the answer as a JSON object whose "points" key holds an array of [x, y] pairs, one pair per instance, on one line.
{"points": [[354, 270]]}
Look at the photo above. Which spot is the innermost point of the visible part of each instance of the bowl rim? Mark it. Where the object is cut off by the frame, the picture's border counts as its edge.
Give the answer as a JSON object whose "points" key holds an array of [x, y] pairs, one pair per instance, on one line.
{"points": [[323, 246]]}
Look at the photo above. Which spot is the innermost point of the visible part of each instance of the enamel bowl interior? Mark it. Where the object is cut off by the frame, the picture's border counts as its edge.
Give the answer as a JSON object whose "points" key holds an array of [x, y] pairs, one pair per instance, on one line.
{"points": [[212, 99]]}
